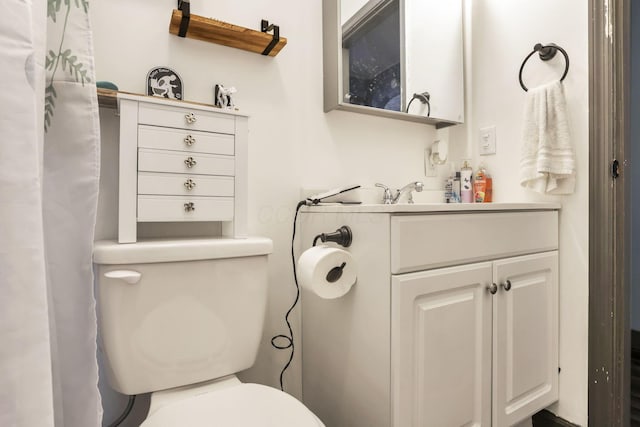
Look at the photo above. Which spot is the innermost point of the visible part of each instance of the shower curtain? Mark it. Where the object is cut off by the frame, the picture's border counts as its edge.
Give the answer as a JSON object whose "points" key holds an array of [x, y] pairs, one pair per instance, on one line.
{"points": [[49, 168]]}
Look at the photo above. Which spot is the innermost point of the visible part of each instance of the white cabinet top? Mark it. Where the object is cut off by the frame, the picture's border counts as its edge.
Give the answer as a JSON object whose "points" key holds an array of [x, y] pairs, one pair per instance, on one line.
{"points": [[431, 207], [180, 104]]}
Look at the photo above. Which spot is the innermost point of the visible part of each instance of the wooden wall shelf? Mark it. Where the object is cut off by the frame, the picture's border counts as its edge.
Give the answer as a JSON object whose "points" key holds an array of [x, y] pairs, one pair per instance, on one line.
{"points": [[107, 98], [214, 31]]}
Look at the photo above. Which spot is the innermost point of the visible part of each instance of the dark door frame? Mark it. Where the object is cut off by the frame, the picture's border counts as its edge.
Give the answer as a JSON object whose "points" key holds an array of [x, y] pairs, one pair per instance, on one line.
{"points": [[609, 213]]}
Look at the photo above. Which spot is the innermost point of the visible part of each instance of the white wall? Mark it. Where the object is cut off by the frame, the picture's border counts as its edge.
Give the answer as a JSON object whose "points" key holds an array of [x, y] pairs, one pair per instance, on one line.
{"points": [[293, 143], [503, 34]]}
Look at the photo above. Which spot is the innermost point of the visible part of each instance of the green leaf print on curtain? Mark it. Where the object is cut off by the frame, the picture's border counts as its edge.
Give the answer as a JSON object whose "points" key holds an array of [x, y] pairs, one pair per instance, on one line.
{"points": [[64, 58]]}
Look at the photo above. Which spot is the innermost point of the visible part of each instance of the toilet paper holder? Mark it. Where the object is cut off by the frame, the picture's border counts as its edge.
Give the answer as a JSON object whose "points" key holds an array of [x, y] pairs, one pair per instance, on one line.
{"points": [[342, 236], [335, 273]]}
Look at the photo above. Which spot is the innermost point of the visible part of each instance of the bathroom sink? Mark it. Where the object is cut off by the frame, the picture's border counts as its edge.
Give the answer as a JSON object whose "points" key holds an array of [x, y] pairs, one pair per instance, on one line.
{"points": [[429, 207]]}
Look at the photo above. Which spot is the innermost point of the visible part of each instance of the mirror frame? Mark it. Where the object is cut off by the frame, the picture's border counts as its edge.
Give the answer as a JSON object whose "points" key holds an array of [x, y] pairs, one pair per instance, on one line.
{"points": [[332, 68]]}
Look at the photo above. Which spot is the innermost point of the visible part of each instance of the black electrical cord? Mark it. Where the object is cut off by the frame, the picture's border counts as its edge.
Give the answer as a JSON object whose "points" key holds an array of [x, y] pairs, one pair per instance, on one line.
{"points": [[289, 338], [125, 414]]}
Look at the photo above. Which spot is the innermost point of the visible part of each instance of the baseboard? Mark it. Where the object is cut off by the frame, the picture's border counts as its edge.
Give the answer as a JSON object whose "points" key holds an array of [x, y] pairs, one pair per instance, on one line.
{"points": [[545, 418]]}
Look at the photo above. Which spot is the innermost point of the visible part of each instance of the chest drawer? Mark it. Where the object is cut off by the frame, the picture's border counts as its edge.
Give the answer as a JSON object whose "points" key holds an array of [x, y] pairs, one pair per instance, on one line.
{"points": [[181, 161], [174, 208], [188, 163], [420, 242], [188, 185], [185, 118], [185, 140]]}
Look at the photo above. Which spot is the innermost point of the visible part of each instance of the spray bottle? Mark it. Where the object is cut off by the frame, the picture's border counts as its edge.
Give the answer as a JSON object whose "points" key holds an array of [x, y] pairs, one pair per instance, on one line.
{"points": [[466, 186]]}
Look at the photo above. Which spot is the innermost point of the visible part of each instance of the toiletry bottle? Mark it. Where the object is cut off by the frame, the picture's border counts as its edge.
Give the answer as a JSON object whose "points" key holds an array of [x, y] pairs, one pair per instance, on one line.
{"points": [[488, 194], [479, 186], [456, 188], [448, 190], [466, 189]]}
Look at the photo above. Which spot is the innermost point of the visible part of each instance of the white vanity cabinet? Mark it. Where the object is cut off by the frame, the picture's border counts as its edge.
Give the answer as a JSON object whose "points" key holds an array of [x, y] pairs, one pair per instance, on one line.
{"points": [[455, 350], [180, 162], [475, 343], [463, 356]]}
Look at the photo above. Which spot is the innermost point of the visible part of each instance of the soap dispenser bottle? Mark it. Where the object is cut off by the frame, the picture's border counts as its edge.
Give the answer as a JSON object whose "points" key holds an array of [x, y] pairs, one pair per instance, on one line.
{"points": [[480, 186], [466, 186]]}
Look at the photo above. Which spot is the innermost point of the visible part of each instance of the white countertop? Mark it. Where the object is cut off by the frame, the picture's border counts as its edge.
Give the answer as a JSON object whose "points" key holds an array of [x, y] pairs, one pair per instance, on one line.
{"points": [[431, 207]]}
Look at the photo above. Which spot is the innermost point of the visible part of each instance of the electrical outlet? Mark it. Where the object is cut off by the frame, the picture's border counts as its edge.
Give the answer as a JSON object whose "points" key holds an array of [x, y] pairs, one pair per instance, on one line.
{"points": [[487, 141]]}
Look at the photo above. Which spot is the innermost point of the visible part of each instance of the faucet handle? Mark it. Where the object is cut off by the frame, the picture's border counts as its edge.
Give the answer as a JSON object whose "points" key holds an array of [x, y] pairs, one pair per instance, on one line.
{"points": [[387, 198]]}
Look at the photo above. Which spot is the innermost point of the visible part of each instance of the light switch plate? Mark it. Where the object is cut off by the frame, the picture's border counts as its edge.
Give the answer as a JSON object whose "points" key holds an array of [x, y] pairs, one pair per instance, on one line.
{"points": [[487, 141]]}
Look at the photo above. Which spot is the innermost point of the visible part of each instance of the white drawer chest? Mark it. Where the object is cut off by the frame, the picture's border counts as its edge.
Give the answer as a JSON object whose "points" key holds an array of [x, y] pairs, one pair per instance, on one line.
{"points": [[181, 162]]}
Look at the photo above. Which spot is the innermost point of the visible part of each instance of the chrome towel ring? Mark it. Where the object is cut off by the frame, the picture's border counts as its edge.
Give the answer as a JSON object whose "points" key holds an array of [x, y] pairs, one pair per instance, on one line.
{"points": [[545, 53]]}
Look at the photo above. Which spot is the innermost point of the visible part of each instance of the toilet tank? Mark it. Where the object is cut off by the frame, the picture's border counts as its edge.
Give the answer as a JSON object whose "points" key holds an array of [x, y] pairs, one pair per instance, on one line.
{"points": [[178, 312]]}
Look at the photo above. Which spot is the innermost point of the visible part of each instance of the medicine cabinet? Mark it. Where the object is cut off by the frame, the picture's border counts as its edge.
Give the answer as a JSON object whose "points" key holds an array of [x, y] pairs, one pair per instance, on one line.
{"points": [[395, 58]]}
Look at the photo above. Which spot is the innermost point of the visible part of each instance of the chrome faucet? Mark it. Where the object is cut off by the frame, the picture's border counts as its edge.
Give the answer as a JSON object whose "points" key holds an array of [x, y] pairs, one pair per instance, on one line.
{"points": [[389, 199]]}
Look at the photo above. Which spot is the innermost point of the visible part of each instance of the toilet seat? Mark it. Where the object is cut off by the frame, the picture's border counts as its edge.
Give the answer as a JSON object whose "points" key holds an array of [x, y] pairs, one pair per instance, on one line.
{"points": [[243, 405]]}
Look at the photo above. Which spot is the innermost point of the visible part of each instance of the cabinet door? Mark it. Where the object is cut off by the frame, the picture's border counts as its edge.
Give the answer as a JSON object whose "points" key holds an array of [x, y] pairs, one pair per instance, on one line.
{"points": [[441, 347], [525, 345]]}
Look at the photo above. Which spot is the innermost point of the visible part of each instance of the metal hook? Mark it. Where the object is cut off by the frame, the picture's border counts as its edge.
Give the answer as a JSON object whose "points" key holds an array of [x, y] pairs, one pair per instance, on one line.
{"points": [[265, 28], [185, 7]]}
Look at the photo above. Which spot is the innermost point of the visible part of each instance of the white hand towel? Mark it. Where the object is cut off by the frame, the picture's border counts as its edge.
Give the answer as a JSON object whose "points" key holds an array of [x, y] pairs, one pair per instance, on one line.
{"points": [[548, 162]]}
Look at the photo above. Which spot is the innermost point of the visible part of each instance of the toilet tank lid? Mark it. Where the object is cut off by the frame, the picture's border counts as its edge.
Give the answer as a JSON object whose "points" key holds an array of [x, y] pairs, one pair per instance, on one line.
{"points": [[162, 250]]}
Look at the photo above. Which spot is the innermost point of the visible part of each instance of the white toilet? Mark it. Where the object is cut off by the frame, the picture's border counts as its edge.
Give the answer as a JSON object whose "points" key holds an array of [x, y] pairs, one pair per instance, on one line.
{"points": [[179, 318]]}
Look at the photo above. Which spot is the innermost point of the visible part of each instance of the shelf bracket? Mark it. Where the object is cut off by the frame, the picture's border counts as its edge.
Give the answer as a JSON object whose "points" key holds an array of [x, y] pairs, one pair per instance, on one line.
{"points": [[185, 7], [265, 28]]}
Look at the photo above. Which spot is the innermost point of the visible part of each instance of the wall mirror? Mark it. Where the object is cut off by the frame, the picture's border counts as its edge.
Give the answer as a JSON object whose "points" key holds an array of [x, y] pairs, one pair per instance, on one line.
{"points": [[395, 58]]}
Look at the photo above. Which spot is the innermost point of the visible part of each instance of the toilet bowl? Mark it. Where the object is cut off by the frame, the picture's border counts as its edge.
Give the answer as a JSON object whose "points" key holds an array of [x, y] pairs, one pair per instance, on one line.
{"points": [[178, 319], [235, 404]]}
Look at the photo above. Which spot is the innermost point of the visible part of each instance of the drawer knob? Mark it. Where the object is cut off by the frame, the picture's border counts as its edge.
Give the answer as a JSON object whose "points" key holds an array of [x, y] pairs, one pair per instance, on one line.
{"points": [[190, 118], [190, 162], [492, 288], [190, 184], [189, 207], [506, 285], [189, 140]]}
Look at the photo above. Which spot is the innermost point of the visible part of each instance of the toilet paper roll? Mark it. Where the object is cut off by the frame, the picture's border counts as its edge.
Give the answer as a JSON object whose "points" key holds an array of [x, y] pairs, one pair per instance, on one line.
{"points": [[328, 272]]}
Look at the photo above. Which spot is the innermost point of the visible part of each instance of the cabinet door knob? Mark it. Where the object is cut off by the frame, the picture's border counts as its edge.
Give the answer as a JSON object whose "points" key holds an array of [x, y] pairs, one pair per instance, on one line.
{"points": [[190, 162], [190, 118], [189, 207], [189, 140], [492, 288], [190, 184], [506, 285]]}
